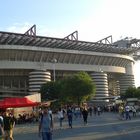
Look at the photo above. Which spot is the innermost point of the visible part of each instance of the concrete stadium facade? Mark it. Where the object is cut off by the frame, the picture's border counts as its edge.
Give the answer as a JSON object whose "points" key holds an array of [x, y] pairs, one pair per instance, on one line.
{"points": [[26, 62]]}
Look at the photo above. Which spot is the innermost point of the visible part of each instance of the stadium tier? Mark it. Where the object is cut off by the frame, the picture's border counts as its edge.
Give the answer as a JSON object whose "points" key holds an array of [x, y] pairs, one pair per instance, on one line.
{"points": [[27, 61]]}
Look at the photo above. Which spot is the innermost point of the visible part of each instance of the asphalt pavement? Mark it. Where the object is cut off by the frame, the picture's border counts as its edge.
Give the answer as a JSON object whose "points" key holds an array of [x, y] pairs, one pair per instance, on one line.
{"points": [[107, 126]]}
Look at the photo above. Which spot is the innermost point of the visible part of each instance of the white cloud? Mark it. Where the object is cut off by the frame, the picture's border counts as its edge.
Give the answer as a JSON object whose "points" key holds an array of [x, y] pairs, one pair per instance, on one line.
{"points": [[117, 18], [19, 27], [41, 30]]}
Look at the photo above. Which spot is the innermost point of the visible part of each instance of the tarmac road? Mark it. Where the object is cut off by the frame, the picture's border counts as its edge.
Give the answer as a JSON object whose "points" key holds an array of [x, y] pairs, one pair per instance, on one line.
{"points": [[104, 127]]}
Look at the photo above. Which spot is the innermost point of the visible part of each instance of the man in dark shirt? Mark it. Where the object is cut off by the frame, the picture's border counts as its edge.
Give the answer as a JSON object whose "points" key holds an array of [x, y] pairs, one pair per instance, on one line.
{"points": [[85, 115], [69, 115], [9, 123], [12, 124], [6, 121]]}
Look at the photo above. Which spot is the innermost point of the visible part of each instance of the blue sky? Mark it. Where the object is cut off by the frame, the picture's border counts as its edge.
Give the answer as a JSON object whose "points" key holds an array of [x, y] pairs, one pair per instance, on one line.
{"points": [[94, 19], [52, 17]]}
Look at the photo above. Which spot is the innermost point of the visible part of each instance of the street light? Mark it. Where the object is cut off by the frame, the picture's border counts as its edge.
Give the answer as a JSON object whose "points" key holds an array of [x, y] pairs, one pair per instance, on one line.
{"points": [[54, 61], [100, 70]]}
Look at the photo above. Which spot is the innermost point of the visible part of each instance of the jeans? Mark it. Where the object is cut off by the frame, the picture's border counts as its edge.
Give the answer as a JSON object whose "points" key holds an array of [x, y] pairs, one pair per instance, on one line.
{"points": [[127, 115], [70, 121], [46, 136], [60, 121]]}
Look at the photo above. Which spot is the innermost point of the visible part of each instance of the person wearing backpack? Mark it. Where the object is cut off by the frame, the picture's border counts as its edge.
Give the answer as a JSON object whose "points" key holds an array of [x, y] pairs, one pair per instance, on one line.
{"points": [[45, 125]]}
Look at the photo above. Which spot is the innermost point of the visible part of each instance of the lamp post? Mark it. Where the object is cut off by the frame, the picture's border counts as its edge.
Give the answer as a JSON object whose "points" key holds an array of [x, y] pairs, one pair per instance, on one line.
{"points": [[54, 61], [100, 70]]}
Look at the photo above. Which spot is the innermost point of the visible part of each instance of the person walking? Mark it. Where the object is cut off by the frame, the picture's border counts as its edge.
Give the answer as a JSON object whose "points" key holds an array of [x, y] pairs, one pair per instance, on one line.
{"points": [[127, 109], [134, 111], [85, 115], [121, 112], [99, 110], [12, 125], [60, 115], [45, 125], [70, 116], [95, 110], [90, 111], [7, 126]]}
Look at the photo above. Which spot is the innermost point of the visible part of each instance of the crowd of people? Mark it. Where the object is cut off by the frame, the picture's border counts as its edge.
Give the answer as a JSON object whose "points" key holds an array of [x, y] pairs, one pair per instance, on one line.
{"points": [[71, 113], [26, 118], [68, 113], [124, 111], [46, 119]]}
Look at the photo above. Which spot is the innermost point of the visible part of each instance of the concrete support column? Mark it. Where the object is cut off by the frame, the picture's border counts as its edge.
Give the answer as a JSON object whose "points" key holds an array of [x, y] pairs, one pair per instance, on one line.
{"points": [[37, 78], [101, 82], [127, 80]]}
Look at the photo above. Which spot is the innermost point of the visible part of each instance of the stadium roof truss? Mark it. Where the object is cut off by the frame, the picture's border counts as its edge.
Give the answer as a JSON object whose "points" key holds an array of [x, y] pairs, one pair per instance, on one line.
{"points": [[30, 38]]}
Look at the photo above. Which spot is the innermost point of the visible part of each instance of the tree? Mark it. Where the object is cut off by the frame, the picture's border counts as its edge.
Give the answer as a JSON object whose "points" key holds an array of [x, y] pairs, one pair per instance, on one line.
{"points": [[137, 94], [71, 89], [78, 87], [49, 91], [131, 92]]}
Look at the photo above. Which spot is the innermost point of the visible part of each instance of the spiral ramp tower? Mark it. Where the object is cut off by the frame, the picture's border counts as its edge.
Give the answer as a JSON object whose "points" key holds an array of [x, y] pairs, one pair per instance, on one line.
{"points": [[101, 82], [126, 81], [38, 78]]}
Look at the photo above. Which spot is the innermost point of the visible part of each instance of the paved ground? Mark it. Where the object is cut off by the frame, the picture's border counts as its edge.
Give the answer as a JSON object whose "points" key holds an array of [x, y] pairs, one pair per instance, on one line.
{"points": [[105, 127]]}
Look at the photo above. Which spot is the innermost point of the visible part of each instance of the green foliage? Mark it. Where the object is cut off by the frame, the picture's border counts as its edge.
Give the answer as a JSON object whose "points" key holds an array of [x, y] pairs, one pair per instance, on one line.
{"points": [[131, 92], [138, 93], [78, 87], [49, 90], [70, 89]]}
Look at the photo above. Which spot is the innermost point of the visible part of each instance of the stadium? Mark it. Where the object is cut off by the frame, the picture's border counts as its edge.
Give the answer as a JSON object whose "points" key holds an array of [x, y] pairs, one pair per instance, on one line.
{"points": [[28, 60]]}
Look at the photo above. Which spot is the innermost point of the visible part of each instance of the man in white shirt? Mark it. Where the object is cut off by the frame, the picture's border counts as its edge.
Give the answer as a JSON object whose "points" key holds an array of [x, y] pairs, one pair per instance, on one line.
{"points": [[127, 109], [60, 116]]}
